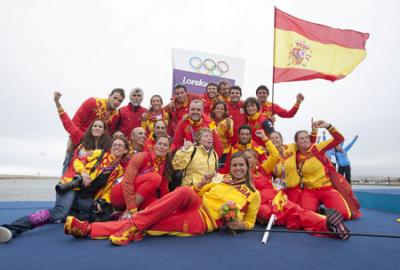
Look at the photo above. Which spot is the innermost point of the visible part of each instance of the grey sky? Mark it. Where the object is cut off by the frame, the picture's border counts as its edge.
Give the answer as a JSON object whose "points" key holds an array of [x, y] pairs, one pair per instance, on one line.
{"points": [[86, 48]]}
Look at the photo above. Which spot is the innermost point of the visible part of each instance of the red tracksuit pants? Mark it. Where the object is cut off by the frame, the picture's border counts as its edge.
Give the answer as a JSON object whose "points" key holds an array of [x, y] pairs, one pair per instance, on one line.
{"points": [[292, 216], [311, 199], [177, 212], [293, 193], [146, 185]]}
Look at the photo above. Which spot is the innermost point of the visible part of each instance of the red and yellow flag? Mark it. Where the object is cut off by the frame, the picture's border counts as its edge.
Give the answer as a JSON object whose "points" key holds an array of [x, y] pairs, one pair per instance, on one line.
{"points": [[307, 51]]}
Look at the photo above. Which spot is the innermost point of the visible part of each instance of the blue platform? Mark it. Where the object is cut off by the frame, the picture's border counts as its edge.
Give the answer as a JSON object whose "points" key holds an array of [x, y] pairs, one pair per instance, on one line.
{"points": [[380, 199], [48, 248]]}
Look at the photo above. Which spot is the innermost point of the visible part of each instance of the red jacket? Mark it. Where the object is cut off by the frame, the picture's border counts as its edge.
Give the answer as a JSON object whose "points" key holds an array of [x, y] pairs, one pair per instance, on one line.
{"points": [[266, 108], [236, 112], [256, 122], [143, 162], [186, 129], [130, 118], [95, 108], [178, 110]]}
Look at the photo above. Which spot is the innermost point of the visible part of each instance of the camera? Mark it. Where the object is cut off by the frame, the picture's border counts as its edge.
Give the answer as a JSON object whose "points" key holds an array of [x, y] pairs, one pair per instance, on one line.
{"points": [[75, 183]]}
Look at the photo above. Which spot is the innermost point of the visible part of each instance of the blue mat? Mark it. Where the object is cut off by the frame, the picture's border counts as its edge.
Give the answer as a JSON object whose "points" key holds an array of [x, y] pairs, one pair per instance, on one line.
{"points": [[48, 248]]}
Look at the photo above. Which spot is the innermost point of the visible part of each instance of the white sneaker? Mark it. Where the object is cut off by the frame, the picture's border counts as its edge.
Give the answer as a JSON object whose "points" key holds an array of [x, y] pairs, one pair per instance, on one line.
{"points": [[5, 235]]}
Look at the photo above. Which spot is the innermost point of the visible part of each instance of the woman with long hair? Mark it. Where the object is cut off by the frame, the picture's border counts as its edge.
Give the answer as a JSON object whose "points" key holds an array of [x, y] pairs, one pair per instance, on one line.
{"points": [[219, 112], [155, 113], [85, 193], [159, 128], [186, 211], [82, 143]]}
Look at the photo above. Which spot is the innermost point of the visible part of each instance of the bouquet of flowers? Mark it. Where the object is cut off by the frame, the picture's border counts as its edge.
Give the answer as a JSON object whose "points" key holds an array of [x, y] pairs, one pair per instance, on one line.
{"points": [[229, 211]]}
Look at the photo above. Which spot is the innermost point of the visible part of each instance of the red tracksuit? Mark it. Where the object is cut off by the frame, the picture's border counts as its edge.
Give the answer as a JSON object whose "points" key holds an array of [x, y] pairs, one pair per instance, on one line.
{"points": [[144, 176]]}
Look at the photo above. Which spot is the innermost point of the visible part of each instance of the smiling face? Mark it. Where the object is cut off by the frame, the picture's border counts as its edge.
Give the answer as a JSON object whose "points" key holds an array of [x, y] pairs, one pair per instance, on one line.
{"points": [[262, 95], [276, 139], [156, 103], [212, 91], [238, 168], [251, 108], [219, 111], [181, 95], [118, 148], [235, 95], [196, 110], [244, 136], [97, 128], [224, 89], [161, 148]]}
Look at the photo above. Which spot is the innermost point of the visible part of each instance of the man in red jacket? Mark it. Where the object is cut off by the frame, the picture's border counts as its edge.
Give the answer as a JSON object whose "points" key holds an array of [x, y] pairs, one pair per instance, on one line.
{"points": [[131, 114], [269, 110], [179, 106], [100, 108], [189, 125]]}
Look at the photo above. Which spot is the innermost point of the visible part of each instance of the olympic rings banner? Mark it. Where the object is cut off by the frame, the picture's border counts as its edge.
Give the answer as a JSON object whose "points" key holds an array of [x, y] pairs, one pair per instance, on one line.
{"points": [[196, 69]]}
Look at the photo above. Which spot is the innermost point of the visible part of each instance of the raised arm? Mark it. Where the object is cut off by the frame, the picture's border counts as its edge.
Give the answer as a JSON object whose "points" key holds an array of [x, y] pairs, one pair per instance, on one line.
{"points": [[289, 113], [350, 145], [273, 158], [337, 138], [75, 133]]}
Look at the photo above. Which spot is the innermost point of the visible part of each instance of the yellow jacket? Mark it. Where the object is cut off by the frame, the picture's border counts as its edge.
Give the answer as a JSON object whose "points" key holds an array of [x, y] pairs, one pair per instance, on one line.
{"points": [[203, 162], [107, 162], [215, 195]]}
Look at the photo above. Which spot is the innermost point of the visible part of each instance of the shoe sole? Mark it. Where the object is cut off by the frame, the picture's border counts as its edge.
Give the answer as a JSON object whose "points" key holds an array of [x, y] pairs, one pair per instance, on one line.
{"points": [[5, 235], [336, 221]]}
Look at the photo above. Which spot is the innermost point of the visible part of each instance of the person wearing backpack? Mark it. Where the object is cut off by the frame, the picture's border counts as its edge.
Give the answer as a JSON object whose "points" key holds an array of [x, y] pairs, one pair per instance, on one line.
{"points": [[196, 160]]}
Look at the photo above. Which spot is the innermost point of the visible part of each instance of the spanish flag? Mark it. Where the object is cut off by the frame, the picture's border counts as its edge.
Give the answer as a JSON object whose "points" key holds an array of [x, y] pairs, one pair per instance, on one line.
{"points": [[307, 51]]}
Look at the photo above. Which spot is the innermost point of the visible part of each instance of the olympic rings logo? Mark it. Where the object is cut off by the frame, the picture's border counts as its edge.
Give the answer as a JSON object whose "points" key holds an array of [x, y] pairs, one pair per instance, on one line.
{"points": [[209, 66]]}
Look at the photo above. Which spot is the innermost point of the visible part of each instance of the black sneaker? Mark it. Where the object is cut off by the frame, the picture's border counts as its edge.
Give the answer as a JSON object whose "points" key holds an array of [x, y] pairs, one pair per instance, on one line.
{"points": [[335, 223]]}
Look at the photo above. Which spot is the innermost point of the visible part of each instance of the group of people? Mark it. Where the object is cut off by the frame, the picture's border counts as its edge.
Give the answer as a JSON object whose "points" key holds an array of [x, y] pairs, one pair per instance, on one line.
{"points": [[199, 163]]}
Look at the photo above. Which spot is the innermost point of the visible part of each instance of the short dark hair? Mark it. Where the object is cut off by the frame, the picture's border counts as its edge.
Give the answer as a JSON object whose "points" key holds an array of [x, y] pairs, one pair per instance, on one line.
{"points": [[262, 87], [179, 85], [251, 100], [236, 88], [212, 84], [244, 127], [298, 133], [118, 90]]}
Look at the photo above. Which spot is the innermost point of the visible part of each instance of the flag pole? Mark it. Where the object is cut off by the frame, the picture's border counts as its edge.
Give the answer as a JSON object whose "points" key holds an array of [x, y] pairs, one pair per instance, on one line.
{"points": [[273, 61]]}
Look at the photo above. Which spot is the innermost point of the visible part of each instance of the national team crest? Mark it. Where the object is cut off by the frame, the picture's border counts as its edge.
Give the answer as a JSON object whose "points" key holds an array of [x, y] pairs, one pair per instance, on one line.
{"points": [[299, 54]]}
